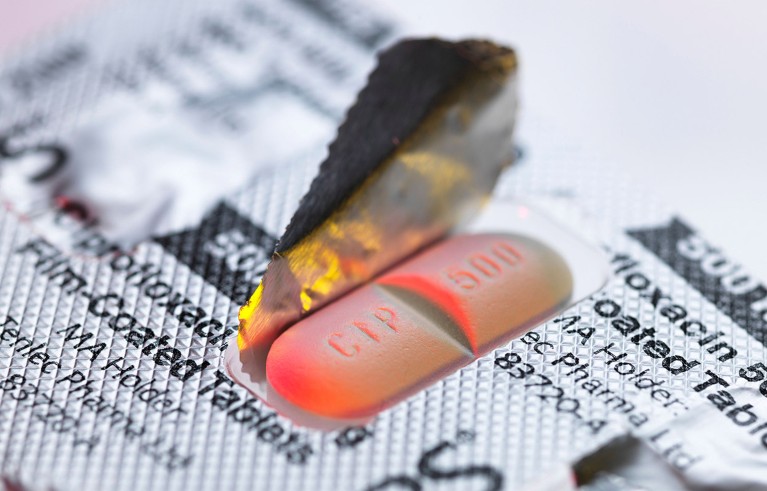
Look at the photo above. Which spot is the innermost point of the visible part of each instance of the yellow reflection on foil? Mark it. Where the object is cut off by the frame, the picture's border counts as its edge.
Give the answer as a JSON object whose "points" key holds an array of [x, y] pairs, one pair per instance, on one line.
{"points": [[346, 250]]}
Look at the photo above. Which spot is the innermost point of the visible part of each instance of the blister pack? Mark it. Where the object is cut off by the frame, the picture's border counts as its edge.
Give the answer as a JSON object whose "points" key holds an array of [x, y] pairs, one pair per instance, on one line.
{"points": [[150, 156]]}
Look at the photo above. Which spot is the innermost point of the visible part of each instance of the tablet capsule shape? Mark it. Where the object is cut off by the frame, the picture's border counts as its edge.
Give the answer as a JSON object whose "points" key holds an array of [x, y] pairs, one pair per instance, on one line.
{"points": [[417, 323]]}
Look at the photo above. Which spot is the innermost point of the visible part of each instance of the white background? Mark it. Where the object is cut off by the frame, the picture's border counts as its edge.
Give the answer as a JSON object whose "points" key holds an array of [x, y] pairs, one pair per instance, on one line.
{"points": [[672, 91]]}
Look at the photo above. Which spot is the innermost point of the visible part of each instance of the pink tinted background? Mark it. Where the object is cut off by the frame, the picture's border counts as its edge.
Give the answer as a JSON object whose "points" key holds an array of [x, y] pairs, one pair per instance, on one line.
{"points": [[23, 19]]}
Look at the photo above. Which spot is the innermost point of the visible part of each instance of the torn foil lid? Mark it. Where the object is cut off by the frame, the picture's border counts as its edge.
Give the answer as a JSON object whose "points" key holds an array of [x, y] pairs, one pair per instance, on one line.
{"points": [[418, 155]]}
